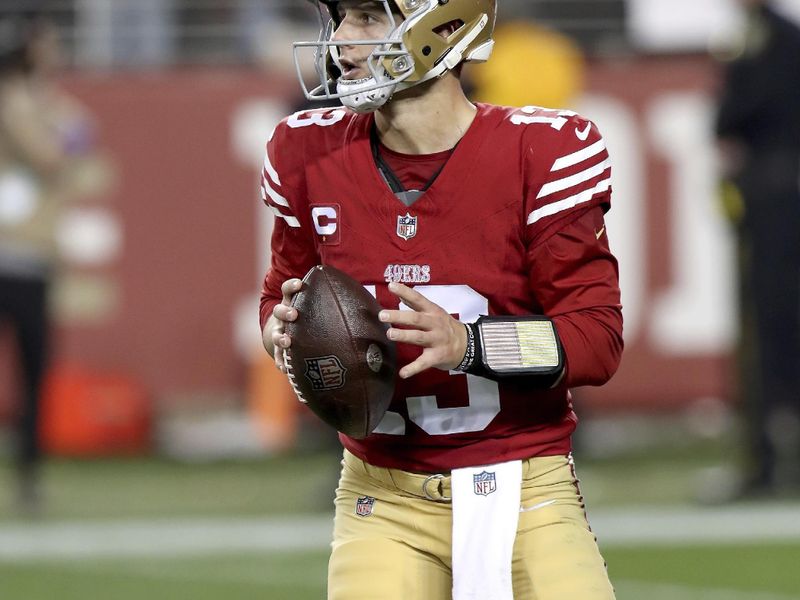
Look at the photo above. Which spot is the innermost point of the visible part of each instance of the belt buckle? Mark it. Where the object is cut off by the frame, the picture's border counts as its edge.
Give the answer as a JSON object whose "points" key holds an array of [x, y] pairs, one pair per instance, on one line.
{"points": [[438, 477]]}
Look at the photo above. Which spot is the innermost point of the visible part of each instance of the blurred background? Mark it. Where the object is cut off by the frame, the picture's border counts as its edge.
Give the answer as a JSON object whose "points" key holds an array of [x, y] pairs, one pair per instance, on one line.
{"points": [[172, 459]]}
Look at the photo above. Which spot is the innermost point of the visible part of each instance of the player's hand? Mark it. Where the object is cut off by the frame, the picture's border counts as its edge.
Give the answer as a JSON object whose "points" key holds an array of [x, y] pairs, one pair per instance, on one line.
{"points": [[443, 338], [274, 333]]}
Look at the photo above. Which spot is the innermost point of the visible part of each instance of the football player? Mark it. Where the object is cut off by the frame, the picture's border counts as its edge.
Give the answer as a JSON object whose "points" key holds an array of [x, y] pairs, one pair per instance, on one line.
{"points": [[480, 230]]}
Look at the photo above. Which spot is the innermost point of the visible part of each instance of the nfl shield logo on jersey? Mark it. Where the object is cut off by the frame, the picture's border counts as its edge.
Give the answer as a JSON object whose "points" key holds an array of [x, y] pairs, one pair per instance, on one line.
{"points": [[485, 483], [364, 505], [406, 226]]}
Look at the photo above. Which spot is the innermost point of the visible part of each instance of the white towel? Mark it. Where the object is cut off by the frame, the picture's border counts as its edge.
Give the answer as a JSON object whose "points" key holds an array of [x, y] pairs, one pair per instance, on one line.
{"points": [[486, 503]]}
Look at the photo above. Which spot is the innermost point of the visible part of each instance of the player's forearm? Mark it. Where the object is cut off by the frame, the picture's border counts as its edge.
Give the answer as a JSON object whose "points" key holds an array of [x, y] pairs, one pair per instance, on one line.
{"points": [[592, 341]]}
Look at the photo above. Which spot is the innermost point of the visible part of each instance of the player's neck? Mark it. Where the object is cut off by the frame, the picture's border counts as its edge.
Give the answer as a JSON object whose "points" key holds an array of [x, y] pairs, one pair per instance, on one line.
{"points": [[427, 122]]}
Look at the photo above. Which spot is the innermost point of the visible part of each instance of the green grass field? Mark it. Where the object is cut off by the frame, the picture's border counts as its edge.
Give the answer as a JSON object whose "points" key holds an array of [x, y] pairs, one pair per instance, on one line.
{"points": [[155, 494]]}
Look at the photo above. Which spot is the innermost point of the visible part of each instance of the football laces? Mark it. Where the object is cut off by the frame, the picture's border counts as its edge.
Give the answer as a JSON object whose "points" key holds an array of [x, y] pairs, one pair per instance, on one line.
{"points": [[287, 361]]}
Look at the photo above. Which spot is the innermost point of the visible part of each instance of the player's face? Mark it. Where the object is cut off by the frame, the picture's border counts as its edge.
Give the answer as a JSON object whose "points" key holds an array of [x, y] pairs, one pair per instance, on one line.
{"points": [[360, 20]]}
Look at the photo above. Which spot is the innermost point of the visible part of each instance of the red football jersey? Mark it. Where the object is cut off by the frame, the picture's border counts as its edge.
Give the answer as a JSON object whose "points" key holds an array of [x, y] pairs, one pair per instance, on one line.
{"points": [[513, 225]]}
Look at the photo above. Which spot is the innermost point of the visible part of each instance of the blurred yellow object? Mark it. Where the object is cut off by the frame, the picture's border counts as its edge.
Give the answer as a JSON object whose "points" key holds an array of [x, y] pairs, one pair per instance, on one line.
{"points": [[731, 201], [530, 65]]}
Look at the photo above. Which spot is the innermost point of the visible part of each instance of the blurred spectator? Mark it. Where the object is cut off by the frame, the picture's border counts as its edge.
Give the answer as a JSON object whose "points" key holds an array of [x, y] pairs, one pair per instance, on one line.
{"points": [[131, 33], [758, 126], [266, 30], [43, 139], [257, 23]]}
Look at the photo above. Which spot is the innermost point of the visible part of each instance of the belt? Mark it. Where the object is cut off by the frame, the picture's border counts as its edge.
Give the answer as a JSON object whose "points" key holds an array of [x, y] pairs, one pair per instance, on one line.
{"points": [[436, 486], [431, 486]]}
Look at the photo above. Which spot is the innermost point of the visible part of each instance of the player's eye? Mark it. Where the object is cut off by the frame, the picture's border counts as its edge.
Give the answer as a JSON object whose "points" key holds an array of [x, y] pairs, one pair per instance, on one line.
{"points": [[366, 18]]}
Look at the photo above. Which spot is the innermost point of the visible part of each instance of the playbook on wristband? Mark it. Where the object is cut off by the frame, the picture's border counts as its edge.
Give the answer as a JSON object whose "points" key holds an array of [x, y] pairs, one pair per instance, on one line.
{"points": [[514, 345]]}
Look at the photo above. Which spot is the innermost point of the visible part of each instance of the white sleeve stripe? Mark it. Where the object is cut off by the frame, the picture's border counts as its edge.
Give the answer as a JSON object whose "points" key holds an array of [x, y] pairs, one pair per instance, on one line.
{"points": [[567, 203], [290, 221], [276, 197], [271, 170], [579, 156], [573, 180]]}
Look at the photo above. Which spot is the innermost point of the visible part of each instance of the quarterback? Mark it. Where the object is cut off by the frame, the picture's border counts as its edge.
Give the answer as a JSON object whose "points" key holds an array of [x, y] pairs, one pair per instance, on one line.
{"points": [[480, 230]]}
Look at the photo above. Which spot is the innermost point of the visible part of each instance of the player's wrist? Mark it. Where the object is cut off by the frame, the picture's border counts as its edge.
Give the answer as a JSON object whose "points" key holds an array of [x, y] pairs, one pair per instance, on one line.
{"points": [[469, 351]]}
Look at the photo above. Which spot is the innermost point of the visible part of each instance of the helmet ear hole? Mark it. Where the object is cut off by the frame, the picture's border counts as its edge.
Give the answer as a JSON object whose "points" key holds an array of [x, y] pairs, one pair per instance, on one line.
{"points": [[426, 51], [447, 29]]}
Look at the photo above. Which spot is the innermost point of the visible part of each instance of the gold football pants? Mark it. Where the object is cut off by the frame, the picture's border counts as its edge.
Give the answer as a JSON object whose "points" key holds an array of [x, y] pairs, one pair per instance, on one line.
{"points": [[393, 531]]}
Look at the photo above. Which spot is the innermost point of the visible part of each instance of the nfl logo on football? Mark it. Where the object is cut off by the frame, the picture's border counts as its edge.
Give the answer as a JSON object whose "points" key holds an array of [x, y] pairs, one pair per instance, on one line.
{"points": [[406, 226], [484, 483], [325, 372], [364, 506]]}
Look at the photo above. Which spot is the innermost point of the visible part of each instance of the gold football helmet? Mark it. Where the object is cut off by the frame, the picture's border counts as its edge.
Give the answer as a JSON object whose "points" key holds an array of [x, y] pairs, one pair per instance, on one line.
{"points": [[415, 51]]}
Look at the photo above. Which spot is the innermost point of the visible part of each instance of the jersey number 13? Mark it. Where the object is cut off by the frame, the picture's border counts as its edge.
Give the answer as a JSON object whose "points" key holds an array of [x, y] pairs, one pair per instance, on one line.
{"points": [[483, 398]]}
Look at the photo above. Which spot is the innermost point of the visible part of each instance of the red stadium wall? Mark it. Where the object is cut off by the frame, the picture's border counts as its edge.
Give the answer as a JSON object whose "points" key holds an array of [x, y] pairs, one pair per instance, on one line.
{"points": [[684, 324], [187, 147]]}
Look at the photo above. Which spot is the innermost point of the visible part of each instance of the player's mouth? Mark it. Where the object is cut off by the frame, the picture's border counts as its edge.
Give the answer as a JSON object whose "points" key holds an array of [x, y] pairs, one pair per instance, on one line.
{"points": [[350, 69]]}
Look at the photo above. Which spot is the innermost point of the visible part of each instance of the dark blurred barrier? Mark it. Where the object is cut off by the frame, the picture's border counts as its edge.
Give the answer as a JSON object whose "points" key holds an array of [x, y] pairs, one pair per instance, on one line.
{"points": [[188, 146]]}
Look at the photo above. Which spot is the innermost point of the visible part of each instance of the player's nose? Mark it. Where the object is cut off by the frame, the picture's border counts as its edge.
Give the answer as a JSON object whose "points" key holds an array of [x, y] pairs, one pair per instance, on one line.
{"points": [[345, 32]]}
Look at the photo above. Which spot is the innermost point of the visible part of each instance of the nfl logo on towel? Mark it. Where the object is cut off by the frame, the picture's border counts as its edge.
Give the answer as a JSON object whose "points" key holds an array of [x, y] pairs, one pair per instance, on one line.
{"points": [[407, 226], [485, 483], [364, 505]]}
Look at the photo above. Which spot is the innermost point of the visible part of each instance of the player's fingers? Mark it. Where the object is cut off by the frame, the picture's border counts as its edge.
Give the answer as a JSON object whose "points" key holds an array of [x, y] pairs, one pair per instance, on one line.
{"points": [[426, 360], [278, 355], [411, 297], [281, 339], [289, 288], [279, 361], [409, 336], [411, 369], [285, 313], [408, 318]]}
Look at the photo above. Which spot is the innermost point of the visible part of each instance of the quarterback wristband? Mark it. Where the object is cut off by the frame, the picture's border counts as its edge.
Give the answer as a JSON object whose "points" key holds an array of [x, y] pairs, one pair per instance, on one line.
{"points": [[516, 346], [469, 354]]}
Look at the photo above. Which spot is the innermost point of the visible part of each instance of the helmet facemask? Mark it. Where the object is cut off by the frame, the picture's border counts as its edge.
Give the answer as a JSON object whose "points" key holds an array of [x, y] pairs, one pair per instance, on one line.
{"points": [[360, 95], [406, 56]]}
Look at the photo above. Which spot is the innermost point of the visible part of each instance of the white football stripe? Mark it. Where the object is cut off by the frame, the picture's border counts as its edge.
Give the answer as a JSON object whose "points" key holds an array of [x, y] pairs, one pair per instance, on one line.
{"points": [[271, 170], [567, 203], [579, 156], [573, 180], [276, 197], [290, 221]]}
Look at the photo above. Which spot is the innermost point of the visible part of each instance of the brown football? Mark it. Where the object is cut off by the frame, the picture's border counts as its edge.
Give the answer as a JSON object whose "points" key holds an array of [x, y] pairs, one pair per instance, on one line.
{"points": [[340, 362]]}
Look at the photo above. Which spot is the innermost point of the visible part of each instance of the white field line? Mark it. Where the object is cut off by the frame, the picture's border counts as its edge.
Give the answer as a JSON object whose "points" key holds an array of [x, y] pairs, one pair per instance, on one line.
{"points": [[170, 538], [188, 537], [697, 525]]}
